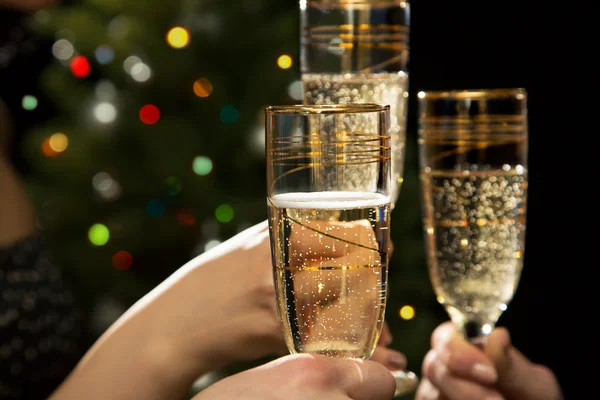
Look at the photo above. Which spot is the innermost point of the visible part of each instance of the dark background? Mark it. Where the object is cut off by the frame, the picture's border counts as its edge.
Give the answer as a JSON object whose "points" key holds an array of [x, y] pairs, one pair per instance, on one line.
{"points": [[470, 45]]}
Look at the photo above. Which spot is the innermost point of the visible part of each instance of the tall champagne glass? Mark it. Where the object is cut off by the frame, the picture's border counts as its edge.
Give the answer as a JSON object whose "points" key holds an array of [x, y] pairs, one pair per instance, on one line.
{"points": [[357, 51], [473, 169], [328, 195]]}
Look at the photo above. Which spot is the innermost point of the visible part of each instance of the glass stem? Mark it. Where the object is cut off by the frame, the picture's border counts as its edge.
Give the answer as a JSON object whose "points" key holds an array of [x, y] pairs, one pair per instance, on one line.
{"points": [[476, 332]]}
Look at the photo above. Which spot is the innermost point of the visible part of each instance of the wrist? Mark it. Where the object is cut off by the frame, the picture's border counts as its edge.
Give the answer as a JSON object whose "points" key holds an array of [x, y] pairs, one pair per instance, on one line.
{"points": [[173, 354]]}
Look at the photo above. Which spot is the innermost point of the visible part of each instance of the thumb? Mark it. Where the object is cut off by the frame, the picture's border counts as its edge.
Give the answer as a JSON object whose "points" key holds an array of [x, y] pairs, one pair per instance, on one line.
{"points": [[518, 377]]}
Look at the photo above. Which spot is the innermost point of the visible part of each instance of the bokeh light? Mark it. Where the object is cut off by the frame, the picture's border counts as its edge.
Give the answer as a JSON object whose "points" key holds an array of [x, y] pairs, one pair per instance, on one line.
{"points": [[224, 213], [130, 62], [99, 234], [47, 150], [29, 102], [105, 112], [185, 217], [80, 66], [203, 87], [211, 244], [58, 142], [229, 114], [149, 114], [119, 27], [295, 90], [141, 72], [63, 49], [155, 208], [104, 54], [105, 90], [407, 312], [173, 186], [202, 165], [178, 37], [284, 61], [106, 186], [122, 260]]}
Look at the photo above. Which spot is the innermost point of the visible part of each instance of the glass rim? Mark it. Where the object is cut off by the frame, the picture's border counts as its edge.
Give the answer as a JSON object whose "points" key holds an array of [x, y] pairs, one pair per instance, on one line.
{"points": [[461, 94], [348, 108], [401, 3]]}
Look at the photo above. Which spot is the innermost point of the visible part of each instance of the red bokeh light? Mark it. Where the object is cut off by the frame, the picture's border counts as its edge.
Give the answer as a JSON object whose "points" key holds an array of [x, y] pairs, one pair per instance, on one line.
{"points": [[122, 260], [80, 66], [185, 218], [149, 114], [47, 150]]}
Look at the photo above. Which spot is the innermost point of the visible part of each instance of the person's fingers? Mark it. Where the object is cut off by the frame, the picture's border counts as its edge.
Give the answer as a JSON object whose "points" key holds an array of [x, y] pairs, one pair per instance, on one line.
{"points": [[366, 380], [385, 339], [426, 391], [518, 377], [460, 357], [389, 358], [330, 239], [452, 386]]}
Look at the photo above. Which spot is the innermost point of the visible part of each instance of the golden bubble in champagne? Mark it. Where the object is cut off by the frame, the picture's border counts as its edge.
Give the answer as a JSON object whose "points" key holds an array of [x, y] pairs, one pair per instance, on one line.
{"points": [[475, 233], [380, 88]]}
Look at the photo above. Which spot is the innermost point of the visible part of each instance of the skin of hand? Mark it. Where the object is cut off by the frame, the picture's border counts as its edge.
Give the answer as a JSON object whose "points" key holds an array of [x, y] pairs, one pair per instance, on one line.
{"points": [[217, 309], [303, 377], [454, 369]]}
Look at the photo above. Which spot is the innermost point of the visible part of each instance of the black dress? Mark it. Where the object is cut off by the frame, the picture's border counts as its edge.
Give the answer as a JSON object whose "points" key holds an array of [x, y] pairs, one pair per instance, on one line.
{"points": [[40, 326]]}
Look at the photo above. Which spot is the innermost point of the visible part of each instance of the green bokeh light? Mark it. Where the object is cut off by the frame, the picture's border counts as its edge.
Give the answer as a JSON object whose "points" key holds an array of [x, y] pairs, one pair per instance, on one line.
{"points": [[173, 186], [99, 234], [229, 114], [224, 213], [202, 165], [29, 102]]}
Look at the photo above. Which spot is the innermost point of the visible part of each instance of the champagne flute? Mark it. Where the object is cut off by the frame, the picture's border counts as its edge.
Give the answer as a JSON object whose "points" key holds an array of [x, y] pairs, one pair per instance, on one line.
{"points": [[473, 170], [328, 176], [356, 51]]}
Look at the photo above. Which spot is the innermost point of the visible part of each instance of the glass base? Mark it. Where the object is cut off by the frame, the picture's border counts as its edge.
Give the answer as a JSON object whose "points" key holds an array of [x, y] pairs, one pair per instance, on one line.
{"points": [[406, 382]]}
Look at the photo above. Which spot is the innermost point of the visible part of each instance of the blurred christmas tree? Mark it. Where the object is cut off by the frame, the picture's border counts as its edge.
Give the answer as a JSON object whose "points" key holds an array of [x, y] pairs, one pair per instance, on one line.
{"points": [[156, 152]]}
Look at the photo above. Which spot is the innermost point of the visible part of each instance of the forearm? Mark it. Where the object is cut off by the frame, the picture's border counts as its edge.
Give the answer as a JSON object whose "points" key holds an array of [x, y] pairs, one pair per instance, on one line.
{"points": [[137, 358], [17, 219]]}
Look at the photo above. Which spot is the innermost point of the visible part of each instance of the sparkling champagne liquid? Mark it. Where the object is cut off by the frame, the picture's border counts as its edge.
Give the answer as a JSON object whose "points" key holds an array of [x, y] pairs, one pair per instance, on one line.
{"points": [[475, 232], [330, 266], [381, 88]]}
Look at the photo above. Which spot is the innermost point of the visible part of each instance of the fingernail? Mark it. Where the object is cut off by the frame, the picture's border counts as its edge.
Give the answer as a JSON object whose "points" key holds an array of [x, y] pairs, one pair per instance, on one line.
{"points": [[397, 361], [484, 373]]}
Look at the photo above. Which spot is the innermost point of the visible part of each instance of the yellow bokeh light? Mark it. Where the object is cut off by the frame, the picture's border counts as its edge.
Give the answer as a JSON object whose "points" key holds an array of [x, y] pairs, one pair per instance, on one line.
{"points": [[203, 87], [284, 61], [407, 312], [58, 142], [178, 37]]}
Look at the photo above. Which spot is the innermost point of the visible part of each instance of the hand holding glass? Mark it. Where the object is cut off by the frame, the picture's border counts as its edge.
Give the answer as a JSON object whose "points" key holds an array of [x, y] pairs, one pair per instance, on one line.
{"points": [[328, 176], [473, 166]]}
